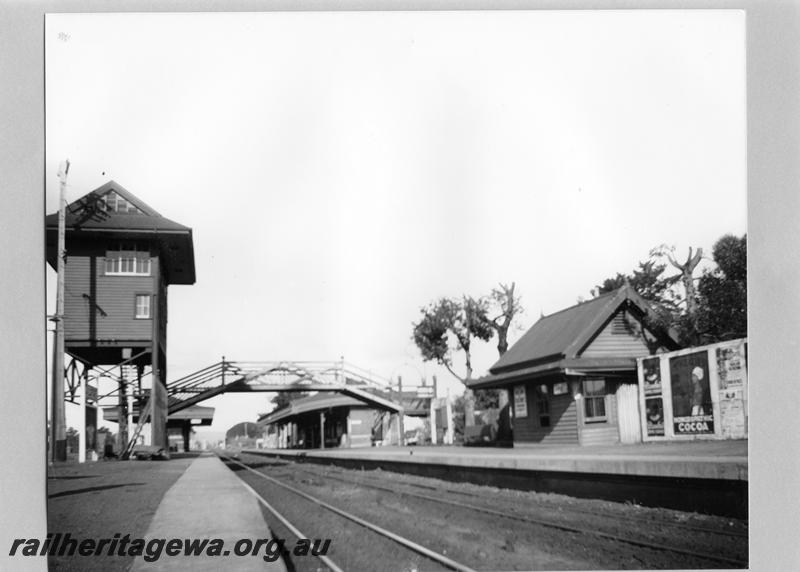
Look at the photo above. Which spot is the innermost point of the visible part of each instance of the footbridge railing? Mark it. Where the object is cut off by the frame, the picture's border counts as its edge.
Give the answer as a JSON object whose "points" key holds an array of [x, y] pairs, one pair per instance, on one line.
{"points": [[235, 376]]}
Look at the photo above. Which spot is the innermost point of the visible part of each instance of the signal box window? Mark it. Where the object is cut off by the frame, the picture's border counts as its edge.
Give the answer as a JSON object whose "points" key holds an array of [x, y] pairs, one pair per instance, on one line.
{"points": [[543, 405], [142, 306], [112, 202], [128, 260], [594, 399]]}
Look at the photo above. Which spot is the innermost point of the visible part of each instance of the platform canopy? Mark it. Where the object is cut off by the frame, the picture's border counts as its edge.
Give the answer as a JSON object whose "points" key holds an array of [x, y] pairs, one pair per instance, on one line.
{"points": [[318, 402], [197, 413]]}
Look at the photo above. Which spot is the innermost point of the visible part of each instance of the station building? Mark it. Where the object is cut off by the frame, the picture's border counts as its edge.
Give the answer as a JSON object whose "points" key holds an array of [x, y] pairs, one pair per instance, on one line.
{"points": [[328, 419], [572, 377]]}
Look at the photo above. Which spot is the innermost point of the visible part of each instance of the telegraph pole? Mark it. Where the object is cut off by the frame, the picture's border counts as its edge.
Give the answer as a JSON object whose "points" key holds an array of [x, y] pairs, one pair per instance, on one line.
{"points": [[58, 424]]}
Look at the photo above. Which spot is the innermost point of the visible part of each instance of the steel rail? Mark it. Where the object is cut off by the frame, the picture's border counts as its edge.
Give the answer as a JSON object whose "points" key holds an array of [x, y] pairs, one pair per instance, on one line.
{"points": [[435, 556], [611, 515], [564, 527], [325, 560], [678, 525]]}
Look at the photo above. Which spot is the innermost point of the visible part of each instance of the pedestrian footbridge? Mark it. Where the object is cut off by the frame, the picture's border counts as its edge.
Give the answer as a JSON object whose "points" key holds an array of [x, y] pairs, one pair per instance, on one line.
{"points": [[244, 377]]}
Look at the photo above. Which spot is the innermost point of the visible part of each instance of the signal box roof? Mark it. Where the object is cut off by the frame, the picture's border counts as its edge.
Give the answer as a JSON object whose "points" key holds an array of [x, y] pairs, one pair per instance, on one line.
{"points": [[90, 216]]}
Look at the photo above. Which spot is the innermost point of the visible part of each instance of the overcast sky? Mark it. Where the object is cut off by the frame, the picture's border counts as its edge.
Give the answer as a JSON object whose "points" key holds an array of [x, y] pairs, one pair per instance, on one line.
{"points": [[341, 170]]}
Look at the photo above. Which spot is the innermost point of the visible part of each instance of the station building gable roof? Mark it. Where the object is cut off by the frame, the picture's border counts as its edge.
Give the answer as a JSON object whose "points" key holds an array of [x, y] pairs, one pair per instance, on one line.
{"points": [[603, 333], [94, 215]]}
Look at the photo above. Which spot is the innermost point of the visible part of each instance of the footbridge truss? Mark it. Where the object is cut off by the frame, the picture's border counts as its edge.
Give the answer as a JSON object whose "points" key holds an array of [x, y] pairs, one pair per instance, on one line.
{"points": [[241, 377]]}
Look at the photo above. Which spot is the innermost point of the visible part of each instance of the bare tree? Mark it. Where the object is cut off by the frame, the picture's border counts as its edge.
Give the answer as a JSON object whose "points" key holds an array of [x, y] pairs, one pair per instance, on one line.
{"points": [[509, 306], [686, 271]]}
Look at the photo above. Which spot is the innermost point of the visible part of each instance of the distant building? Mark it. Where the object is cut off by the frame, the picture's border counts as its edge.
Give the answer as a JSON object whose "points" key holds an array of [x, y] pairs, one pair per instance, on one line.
{"points": [[328, 420], [179, 424], [244, 435], [572, 377]]}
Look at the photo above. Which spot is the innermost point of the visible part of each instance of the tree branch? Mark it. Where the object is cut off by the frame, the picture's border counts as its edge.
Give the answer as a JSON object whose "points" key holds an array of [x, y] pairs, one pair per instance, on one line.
{"points": [[454, 374]]}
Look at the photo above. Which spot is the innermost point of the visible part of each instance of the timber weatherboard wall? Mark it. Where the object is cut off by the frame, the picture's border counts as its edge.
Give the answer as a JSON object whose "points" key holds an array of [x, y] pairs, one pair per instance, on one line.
{"points": [[110, 298], [622, 335], [563, 429]]}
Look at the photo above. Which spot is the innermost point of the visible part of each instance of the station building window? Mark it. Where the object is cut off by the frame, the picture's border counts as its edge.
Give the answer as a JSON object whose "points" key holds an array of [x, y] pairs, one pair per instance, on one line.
{"points": [[543, 405], [594, 399]]}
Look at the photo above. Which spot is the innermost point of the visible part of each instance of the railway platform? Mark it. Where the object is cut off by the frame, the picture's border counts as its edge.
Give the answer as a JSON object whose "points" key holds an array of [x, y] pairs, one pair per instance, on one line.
{"points": [[697, 459], [208, 501], [702, 476]]}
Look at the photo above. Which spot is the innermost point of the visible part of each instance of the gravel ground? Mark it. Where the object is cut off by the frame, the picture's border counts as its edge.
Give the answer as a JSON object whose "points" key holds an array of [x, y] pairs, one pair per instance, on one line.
{"points": [[97, 500], [490, 542]]}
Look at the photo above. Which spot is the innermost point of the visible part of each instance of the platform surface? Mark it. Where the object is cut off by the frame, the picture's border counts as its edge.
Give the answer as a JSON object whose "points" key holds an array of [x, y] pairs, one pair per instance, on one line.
{"points": [[208, 502], [689, 459]]}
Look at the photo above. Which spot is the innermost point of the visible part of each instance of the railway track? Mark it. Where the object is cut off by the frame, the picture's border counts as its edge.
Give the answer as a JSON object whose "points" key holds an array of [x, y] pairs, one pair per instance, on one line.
{"points": [[677, 525], [440, 559], [552, 524]]}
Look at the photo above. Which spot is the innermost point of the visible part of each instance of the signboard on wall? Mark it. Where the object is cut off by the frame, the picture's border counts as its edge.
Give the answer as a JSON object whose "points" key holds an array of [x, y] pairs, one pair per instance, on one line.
{"points": [[655, 416], [730, 367], [520, 401], [692, 407], [651, 369], [731, 408], [732, 387]]}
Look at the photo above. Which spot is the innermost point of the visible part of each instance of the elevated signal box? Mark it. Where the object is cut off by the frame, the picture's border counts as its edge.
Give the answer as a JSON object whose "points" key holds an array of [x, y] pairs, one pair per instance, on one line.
{"points": [[120, 257]]}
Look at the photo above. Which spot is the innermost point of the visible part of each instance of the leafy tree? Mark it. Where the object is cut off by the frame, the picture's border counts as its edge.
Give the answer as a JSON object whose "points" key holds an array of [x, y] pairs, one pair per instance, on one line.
{"points": [[650, 283], [447, 326], [711, 308], [648, 280], [723, 292], [282, 399]]}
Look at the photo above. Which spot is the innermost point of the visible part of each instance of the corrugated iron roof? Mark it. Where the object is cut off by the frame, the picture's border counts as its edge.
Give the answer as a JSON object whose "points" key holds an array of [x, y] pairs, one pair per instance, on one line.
{"points": [[318, 402], [567, 332], [84, 214]]}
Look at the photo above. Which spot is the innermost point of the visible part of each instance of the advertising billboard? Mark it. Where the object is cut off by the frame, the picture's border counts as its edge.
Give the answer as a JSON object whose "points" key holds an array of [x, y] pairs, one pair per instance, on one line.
{"points": [[692, 409], [694, 393]]}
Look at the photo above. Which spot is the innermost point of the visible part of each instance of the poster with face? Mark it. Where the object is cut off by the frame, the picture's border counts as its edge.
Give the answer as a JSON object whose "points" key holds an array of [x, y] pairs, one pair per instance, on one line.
{"points": [[691, 396], [651, 371], [655, 416]]}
